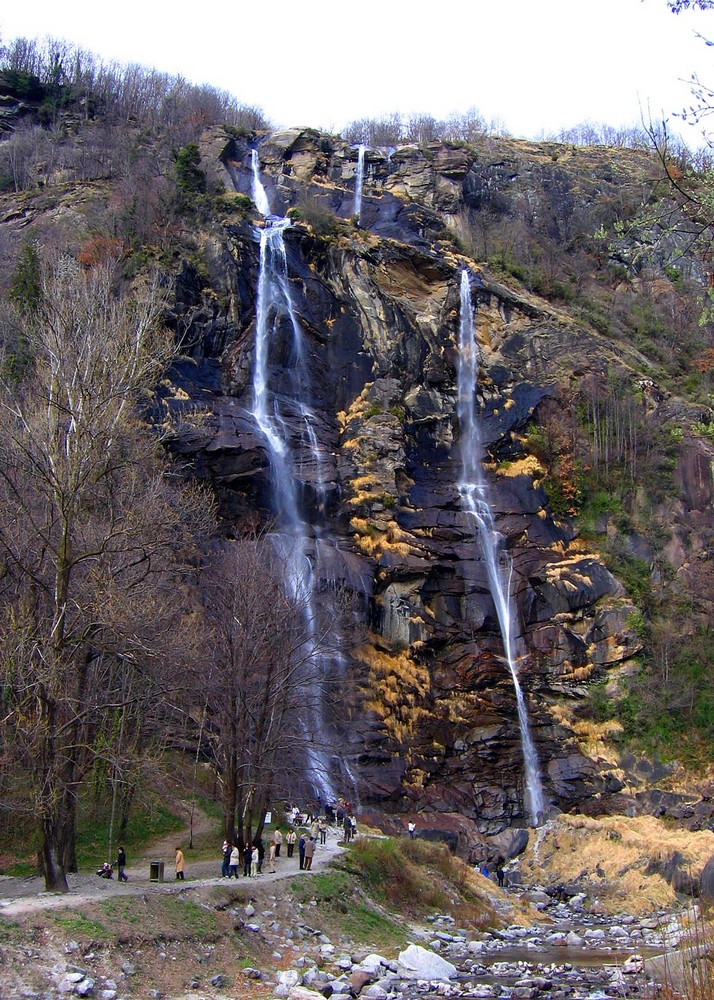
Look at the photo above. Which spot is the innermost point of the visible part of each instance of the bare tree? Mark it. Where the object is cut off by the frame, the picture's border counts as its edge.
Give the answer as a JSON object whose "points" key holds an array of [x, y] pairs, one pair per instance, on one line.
{"points": [[92, 531], [263, 679]]}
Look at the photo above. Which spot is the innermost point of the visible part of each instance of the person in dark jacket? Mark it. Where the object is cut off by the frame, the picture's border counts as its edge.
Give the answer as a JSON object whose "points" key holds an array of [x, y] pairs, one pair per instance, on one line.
{"points": [[247, 859], [121, 865], [261, 853], [301, 849]]}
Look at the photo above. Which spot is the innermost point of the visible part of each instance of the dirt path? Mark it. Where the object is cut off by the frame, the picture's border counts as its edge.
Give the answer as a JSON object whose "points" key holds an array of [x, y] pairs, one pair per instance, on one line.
{"points": [[21, 896]]}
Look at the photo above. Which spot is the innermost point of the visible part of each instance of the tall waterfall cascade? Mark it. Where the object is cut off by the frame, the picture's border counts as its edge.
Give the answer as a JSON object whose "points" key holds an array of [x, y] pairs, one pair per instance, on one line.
{"points": [[359, 182], [295, 538], [473, 491]]}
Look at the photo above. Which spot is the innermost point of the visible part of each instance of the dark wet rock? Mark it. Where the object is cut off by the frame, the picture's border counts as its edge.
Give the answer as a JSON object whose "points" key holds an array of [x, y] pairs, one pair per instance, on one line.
{"points": [[379, 311], [510, 843], [706, 881]]}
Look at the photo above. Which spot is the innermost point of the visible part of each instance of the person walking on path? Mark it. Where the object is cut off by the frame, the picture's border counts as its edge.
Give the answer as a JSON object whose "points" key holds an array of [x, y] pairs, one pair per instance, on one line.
{"points": [[347, 827], [235, 862], [226, 862], [121, 865], [301, 850], [309, 853], [278, 842], [290, 838], [272, 848], [180, 865], [322, 827], [247, 859]]}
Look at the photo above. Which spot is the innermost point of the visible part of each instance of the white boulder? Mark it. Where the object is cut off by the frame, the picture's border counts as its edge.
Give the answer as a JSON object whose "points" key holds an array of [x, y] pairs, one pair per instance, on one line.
{"points": [[416, 962]]}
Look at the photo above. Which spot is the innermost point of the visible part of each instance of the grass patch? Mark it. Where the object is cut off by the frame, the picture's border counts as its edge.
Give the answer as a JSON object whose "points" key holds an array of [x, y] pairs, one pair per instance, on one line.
{"points": [[344, 912], [417, 878], [188, 918], [121, 911], [323, 887], [79, 925], [368, 927], [164, 918]]}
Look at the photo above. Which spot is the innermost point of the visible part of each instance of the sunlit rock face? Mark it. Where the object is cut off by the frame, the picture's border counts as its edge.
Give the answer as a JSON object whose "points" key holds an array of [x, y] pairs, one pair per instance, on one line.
{"points": [[427, 716]]}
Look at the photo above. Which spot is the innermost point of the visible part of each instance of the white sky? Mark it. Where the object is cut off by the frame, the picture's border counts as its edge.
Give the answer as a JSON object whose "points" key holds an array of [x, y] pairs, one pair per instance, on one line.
{"points": [[535, 65]]}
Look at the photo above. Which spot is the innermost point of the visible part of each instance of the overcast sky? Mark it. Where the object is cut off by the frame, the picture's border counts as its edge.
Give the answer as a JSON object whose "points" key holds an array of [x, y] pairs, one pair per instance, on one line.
{"points": [[534, 65]]}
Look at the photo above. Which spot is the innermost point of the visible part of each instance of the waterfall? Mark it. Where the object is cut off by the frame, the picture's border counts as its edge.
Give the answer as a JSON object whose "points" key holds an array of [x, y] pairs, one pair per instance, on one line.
{"points": [[297, 541], [474, 499], [359, 182], [292, 538], [258, 192]]}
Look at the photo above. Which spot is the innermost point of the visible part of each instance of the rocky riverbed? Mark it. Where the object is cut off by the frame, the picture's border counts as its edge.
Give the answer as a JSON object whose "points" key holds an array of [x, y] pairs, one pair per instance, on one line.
{"points": [[575, 955], [276, 937]]}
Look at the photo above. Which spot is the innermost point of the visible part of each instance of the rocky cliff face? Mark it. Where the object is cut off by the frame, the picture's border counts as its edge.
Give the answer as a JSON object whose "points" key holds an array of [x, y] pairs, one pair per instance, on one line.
{"points": [[427, 716]]}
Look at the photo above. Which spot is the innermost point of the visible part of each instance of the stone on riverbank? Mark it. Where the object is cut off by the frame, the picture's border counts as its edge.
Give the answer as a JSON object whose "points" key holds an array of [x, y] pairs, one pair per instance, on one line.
{"points": [[416, 962]]}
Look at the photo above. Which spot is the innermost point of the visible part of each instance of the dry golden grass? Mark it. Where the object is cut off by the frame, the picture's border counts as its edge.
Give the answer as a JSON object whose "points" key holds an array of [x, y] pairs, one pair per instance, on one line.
{"points": [[595, 738], [610, 856], [526, 466], [398, 686], [373, 539]]}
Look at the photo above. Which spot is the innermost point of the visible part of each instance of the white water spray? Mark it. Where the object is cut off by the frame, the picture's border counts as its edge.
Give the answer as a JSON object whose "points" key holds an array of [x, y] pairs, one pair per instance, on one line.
{"points": [[258, 192], [359, 182], [473, 491]]}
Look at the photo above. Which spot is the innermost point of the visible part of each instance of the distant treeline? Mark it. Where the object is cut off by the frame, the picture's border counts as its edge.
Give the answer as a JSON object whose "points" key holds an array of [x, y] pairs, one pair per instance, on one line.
{"points": [[61, 81], [60, 76], [470, 126]]}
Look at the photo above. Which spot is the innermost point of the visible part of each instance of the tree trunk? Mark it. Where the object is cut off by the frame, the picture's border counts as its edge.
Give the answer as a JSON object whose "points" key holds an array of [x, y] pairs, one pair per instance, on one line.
{"points": [[52, 829], [71, 826]]}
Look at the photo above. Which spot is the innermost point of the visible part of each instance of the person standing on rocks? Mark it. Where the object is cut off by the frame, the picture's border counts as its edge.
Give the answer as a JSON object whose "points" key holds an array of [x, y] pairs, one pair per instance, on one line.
{"points": [[411, 827], [180, 865], [309, 853]]}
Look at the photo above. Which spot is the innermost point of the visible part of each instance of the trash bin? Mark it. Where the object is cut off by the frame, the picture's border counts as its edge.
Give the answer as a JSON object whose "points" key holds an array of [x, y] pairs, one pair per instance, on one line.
{"points": [[156, 871]]}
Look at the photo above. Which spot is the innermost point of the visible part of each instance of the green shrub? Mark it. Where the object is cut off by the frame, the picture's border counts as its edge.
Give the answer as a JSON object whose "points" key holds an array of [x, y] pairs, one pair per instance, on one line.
{"points": [[315, 214], [234, 203], [190, 179]]}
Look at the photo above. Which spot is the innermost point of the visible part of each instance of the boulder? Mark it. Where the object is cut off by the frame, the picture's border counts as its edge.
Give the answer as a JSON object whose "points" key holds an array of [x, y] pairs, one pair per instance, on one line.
{"points": [[416, 962], [706, 881], [358, 980], [509, 843], [302, 993]]}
